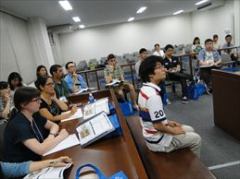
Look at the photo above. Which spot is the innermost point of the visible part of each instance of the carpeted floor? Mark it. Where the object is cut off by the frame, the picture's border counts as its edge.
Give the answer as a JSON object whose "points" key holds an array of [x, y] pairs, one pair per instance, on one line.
{"points": [[217, 146]]}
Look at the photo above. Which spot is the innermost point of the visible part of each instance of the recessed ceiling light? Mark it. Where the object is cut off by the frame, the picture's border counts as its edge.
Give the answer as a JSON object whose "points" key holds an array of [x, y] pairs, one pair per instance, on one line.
{"points": [[178, 12], [76, 19], [201, 2], [130, 19], [141, 9], [81, 26], [65, 5]]}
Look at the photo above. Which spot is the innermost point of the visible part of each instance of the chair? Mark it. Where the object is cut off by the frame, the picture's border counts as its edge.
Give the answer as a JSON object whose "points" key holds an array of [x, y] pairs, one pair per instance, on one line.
{"points": [[82, 65]]}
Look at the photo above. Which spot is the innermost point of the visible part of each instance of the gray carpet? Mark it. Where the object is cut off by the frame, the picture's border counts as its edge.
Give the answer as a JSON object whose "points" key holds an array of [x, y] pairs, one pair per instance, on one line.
{"points": [[217, 146]]}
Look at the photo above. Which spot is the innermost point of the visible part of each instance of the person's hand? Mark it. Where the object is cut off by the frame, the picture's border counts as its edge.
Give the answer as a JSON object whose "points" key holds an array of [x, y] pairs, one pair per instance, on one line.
{"points": [[73, 110], [61, 161], [174, 124], [63, 133], [178, 130], [6, 96], [75, 75]]}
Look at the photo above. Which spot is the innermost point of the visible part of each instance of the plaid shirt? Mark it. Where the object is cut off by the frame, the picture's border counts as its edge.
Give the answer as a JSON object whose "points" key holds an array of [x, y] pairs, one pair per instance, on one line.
{"points": [[116, 73]]}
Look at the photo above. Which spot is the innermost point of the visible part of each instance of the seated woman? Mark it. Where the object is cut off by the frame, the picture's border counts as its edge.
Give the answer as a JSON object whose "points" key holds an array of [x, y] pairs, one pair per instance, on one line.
{"points": [[51, 107], [113, 71], [28, 135], [5, 100], [41, 71], [13, 170]]}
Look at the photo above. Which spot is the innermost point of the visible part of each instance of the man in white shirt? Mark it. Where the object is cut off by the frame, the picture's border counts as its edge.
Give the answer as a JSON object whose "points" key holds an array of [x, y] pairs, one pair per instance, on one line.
{"points": [[209, 59], [142, 56], [216, 44], [158, 51], [160, 134]]}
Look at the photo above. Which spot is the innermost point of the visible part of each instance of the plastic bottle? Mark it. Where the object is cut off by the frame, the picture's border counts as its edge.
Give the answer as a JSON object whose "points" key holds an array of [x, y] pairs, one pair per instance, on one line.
{"points": [[91, 99]]}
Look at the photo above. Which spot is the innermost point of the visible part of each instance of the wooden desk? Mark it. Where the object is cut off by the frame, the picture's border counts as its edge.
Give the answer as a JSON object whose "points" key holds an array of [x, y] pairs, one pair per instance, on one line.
{"points": [[226, 101], [110, 155]]}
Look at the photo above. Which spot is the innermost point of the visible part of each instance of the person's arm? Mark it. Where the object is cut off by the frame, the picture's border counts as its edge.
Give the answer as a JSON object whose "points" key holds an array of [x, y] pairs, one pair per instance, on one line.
{"points": [[82, 82], [52, 127], [62, 105], [40, 148], [201, 58], [107, 76], [69, 83], [6, 110], [58, 162], [158, 117], [45, 113]]}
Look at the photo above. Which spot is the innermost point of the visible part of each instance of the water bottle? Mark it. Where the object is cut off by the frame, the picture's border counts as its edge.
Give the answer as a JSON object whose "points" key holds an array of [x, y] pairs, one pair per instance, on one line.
{"points": [[91, 99]]}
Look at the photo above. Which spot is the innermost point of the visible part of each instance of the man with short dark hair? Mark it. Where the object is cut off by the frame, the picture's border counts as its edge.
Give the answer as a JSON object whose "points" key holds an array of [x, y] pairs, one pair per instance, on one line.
{"points": [[74, 81], [160, 134], [60, 86], [174, 72], [229, 44], [158, 51], [209, 59], [115, 72], [143, 53]]}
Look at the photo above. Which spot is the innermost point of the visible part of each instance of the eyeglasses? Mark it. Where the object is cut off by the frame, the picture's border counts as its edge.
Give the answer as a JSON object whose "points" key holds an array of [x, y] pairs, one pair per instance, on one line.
{"points": [[159, 67], [36, 100], [50, 84]]}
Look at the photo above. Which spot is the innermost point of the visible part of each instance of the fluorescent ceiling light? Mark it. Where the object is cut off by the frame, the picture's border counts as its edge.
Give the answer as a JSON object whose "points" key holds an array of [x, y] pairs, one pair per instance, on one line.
{"points": [[65, 5], [178, 12], [76, 19], [201, 2], [81, 26], [130, 19], [141, 9]]}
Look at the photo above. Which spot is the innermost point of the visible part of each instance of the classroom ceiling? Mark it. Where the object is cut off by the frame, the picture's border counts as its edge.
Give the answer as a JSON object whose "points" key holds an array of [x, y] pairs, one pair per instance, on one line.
{"points": [[97, 12]]}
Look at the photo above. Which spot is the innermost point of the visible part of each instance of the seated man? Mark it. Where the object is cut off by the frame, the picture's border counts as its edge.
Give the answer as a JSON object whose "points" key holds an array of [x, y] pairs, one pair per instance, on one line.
{"points": [[5, 100], [228, 44], [112, 72], [208, 59], [174, 72], [158, 51], [60, 86], [74, 81], [161, 135]]}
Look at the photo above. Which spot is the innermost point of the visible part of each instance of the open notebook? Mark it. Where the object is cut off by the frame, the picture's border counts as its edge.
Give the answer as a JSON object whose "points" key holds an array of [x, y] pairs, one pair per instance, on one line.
{"points": [[50, 172], [87, 132], [114, 82], [77, 115]]}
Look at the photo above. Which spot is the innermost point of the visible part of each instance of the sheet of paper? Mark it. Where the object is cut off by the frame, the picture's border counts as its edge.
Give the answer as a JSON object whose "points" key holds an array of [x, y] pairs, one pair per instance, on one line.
{"points": [[93, 128], [114, 82], [50, 172], [81, 90], [99, 106], [77, 115], [70, 141]]}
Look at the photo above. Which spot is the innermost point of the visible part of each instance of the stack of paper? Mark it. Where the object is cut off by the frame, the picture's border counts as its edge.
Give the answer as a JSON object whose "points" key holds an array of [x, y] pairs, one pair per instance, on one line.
{"points": [[70, 141], [77, 115], [50, 172]]}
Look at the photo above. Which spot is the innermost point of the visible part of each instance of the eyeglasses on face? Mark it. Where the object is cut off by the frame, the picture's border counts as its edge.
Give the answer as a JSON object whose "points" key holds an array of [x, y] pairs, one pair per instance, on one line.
{"points": [[49, 84], [36, 100]]}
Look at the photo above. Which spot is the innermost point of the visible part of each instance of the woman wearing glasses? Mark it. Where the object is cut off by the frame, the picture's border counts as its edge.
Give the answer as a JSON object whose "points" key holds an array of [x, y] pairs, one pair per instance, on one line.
{"points": [[28, 135], [51, 107]]}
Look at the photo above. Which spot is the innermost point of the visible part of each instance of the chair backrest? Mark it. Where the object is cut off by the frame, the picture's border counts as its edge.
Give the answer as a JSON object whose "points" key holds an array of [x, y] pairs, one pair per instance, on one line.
{"points": [[82, 65], [3, 124]]}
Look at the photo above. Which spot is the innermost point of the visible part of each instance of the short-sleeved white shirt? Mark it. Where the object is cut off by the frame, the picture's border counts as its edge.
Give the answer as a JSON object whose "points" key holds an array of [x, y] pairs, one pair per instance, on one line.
{"points": [[151, 110]]}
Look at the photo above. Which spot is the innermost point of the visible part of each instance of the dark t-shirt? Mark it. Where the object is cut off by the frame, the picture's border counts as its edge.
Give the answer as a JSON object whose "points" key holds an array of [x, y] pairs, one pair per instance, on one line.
{"points": [[53, 108], [17, 131], [170, 64]]}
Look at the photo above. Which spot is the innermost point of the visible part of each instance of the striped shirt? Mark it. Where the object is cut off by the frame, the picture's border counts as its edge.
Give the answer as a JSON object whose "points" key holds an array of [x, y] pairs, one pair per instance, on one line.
{"points": [[151, 111], [115, 73]]}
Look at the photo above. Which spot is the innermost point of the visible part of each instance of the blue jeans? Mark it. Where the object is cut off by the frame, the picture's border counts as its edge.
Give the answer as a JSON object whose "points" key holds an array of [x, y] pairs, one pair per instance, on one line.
{"points": [[12, 170]]}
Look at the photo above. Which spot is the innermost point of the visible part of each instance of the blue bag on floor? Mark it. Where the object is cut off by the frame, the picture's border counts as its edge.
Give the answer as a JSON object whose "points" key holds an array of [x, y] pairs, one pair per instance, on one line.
{"points": [[99, 173], [195, 90], [126, 108]]}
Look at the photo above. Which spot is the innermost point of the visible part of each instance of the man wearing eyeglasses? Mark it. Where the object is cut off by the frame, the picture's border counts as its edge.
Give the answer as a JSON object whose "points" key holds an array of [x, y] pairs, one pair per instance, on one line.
{"points": [[74, 81]]}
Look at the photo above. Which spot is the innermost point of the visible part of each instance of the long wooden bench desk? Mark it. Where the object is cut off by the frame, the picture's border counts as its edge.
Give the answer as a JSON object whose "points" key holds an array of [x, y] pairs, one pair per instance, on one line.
{"points": [[110, 155], [226, 101], [181, 164]]}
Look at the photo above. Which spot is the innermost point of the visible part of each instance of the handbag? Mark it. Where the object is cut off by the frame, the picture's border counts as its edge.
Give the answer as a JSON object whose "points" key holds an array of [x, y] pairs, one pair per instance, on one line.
{"points": [[99, 173]]}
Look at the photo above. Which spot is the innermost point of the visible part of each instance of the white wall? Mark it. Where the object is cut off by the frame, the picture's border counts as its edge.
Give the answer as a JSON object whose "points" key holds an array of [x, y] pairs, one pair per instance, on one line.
{"points": [[15, 48], [217, 20], [130, 37], [127, 37]]}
